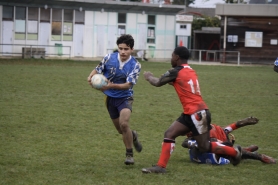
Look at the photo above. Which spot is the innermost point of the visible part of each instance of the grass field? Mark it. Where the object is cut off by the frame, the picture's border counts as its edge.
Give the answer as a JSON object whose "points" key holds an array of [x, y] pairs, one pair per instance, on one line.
{"points": [[55, 130]]}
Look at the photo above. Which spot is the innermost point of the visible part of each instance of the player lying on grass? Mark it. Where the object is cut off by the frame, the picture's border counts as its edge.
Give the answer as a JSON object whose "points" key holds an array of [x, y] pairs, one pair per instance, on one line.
{"points": [[224, 136]]}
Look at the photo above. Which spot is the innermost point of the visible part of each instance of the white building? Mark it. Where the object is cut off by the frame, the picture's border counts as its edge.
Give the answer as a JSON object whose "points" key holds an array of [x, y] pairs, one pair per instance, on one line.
{"points": [[89, 28]]}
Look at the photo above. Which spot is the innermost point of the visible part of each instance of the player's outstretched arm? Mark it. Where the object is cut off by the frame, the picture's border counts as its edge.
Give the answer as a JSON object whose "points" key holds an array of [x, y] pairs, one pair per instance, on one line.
{"points": [[164, 79], [153, 80]]}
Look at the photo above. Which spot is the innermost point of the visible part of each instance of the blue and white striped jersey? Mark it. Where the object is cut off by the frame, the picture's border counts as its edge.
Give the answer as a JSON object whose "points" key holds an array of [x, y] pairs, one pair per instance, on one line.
{"points": [[112, 69], [206, 158], [276, 62]]}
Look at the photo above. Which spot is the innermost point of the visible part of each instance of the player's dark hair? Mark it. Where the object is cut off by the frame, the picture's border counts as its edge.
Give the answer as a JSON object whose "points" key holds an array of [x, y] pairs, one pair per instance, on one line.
{"points": [[182, 52], [126, 39]]}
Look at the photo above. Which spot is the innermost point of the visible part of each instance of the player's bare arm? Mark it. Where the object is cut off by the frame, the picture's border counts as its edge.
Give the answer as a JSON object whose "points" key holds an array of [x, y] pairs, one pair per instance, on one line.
{"points": [[111, 85], [90, 76], [153, 80], [166, 78]]}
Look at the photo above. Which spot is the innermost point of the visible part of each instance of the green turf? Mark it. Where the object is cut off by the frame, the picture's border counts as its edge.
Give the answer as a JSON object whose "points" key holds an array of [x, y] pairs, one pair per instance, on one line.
{"points": [[54, 127]]}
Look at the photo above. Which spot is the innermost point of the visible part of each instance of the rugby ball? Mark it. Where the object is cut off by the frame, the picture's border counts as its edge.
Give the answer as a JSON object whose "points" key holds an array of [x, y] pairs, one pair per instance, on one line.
{"points": [[98, 81]]}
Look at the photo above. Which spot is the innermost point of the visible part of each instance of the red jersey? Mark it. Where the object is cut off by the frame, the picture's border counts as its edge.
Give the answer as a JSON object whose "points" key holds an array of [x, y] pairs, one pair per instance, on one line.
{"points": [[218, 133], [186, 84]]}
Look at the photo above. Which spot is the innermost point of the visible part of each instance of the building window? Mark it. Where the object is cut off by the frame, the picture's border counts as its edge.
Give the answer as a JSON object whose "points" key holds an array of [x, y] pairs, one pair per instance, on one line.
{"points": [[56, 24], [182, 26], [45, 15], [79, 17], [122, 18], [151, 19], [33, 17], [151, 29], [68, 25], [8, 13], [20, 23], [121, 23], [20, 13]]}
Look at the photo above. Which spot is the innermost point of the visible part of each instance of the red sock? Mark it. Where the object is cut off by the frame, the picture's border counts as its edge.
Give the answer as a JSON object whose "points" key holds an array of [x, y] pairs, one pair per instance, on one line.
{"points": [[167, 149], [218, 148], [231, 127]]}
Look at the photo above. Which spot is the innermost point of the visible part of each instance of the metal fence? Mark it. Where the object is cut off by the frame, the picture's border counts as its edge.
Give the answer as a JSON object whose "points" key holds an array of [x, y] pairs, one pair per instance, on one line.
{"points": [[58, 50], [35, 51], [215, 56]]}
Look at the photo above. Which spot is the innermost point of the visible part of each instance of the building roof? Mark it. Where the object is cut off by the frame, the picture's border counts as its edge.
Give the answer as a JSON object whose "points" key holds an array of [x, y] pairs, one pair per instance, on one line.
{"points": [[213, 3], [210, 12], [263, 2], [206, 3], [250, 10], [97, 5]]}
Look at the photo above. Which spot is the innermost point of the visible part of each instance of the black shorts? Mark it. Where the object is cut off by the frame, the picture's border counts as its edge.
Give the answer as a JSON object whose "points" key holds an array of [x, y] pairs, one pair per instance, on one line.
{"points": [[275, 68], [198, 123], [115, 105]]}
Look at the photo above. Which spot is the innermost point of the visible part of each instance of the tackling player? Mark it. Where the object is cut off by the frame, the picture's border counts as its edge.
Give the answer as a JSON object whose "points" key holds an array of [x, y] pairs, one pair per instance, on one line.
{"points": [[195, 116]]}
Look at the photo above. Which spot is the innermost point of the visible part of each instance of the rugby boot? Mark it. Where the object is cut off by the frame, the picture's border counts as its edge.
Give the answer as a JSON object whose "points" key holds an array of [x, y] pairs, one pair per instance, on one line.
{"points": [[247, 121], [256, 156], [266, 159], [129, 159], [136, 143], [154, 169]]}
